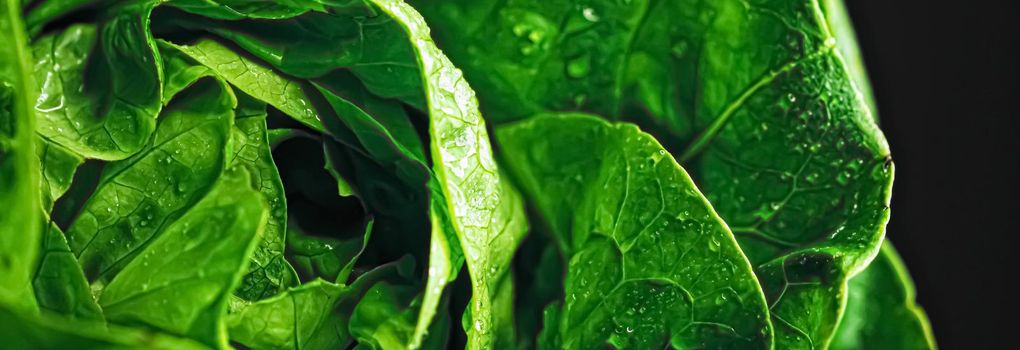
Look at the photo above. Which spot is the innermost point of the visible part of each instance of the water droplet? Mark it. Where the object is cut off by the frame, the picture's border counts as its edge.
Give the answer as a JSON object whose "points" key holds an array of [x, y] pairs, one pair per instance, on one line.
{"points": [[579, 67], [843, 177], [721, 299], [679, 49]]}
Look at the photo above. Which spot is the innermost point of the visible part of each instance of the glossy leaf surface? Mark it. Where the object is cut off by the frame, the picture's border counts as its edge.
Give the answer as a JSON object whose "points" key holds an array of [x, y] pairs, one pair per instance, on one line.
{"points": [[650, 262], [880, 310], [753, 98]]}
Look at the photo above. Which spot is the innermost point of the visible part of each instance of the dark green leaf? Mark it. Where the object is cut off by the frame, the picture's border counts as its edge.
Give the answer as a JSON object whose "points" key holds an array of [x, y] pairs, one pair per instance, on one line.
{"points": [[385, 319], [328, 259], [651, 263], [237, 9], [753, 98], [880, 309]]}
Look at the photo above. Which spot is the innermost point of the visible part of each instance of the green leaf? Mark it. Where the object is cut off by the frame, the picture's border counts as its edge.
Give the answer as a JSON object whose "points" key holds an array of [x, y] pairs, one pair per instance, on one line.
{"points": [[269, 272], [753, 98], [100, 85], [299, 318], [378, 127], [255, 79], [138, 197], [651, 263], [343, 187], [328, 259], [19, 176], [60, 285], [385, 319], [278, 136], [485, 211], [238, 9], [181, 282], [42, 13], [54, 333], [311, 316], [314, 44], [846, 42], [381, 126], [58, 167], [445, 261], [881, 312]]}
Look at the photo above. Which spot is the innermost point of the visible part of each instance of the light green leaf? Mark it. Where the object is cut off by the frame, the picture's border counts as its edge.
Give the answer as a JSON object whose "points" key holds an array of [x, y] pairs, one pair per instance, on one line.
{"points": [[846, 42], [55, 333], [651, 263], [311, 316], [60, 285], [300, 318], [100, 85], [58, 167], [485, 211], [255, 79], [269, 272], [19, 176], [181, 282], [316, 45], [138, 197]]}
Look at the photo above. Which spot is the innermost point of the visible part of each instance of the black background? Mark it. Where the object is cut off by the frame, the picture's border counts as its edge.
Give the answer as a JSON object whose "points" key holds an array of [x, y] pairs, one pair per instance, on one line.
{"points": [[946, 76]]}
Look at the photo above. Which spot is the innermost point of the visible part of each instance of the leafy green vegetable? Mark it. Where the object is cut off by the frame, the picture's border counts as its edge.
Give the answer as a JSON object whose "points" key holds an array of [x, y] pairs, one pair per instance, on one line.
{"points": [[138, 197], [25, 333], [752, 98], [58, 167], [299, 318], [311, 316], [100, 85], [219, 235], [311, 174], [385, 320], [59, 283], [880, 311], [485, 211], [651, 262], [19, 224]]}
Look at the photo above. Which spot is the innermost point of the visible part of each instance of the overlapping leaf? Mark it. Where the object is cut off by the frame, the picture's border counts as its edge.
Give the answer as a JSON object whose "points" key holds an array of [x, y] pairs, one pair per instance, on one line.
{"points": [[753, 98], [651, 263]]}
